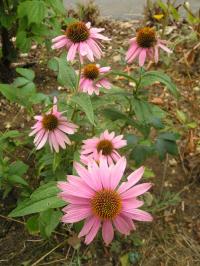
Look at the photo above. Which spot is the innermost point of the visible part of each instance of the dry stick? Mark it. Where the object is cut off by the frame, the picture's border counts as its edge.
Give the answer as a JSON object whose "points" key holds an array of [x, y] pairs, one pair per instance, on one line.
{"points": [[182, 162], [11, 219], [52, 262], [52, 250]]}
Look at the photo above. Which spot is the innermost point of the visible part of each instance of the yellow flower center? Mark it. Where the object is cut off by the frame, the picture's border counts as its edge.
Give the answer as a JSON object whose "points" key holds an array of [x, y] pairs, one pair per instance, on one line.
{"points": [[91, 71], [146, 37], [106, 204], [77, 32], [50, 122], [105, 146]]}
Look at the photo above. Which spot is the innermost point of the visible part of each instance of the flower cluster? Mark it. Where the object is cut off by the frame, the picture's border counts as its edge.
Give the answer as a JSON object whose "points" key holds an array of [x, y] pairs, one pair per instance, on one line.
{"points": [[96, 194]]}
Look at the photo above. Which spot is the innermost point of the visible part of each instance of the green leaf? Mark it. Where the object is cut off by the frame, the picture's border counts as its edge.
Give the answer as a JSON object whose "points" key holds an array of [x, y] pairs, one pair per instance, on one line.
{"points": [[10, 134], [22, 41], [148, 113], [8, 91], [141, 152], [15, 179], [57, 5], [42, 199], [84, 101], [48, 221], [166, 143], [32, 225], [66, 74], [34, 10], [131, 139], [27, 73], [18, 168], [20, 81], [151, 77], [114, 114]]}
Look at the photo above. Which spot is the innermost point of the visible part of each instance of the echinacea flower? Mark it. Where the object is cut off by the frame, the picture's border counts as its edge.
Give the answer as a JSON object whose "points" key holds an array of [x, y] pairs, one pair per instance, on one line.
{"points": [[91, 80], [96, 196], [105, 146], [80, 38], [145, 44], [52, 127]]}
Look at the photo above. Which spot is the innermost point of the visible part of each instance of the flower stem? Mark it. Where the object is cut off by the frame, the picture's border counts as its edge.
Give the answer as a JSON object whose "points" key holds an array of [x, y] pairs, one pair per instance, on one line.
{"points": [[79, 76], [77, 89]]}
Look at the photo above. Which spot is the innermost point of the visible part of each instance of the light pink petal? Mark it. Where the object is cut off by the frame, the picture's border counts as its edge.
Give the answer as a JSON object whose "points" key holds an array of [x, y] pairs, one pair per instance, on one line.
{"points": [[83, 49], [136, 191], [59, 44], [85, 175], [120, 144], [105, 83], [138, 215], [121, 225], [156, 55], [99, 36], [89, 222], [134, 55], [142, 57], [104, 69], [42, 141], [117, 172], [132, 180], [54, 141], [76, 216], [94, 171], [104, 173], [94, 230], [131, 51], [95, 48], [107, 232], [59, 38], [165, 48], [72, 52], [59, 138], [130, 204], [33, 132]]}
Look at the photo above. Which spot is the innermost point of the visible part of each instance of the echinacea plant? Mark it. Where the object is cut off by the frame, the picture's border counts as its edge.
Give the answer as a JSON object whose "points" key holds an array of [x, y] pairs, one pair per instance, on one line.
{"points": [[108, 125]]}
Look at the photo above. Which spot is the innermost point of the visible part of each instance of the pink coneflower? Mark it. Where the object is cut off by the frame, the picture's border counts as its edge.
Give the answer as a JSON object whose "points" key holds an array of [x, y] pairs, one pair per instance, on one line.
{"points": [[82, 39], [91, 80], [145, 44], [105, 146], [96, 196], [52, 127]]}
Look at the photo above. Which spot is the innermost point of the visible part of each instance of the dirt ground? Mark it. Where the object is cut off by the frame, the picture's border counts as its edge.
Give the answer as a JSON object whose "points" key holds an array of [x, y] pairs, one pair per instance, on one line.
{"points": [[173, 239]]}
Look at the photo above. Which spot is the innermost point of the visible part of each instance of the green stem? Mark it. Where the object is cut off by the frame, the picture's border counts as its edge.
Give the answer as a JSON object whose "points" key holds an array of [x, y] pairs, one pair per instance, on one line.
{"points": [[135, 92], [77, 89], [79, 76]]}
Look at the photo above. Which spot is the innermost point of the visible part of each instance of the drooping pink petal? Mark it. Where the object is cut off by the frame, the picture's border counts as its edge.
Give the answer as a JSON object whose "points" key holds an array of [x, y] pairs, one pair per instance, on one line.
{"points": [[142, 57], [89, 222], [107, 232], [92, 233], [121, 225]]}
